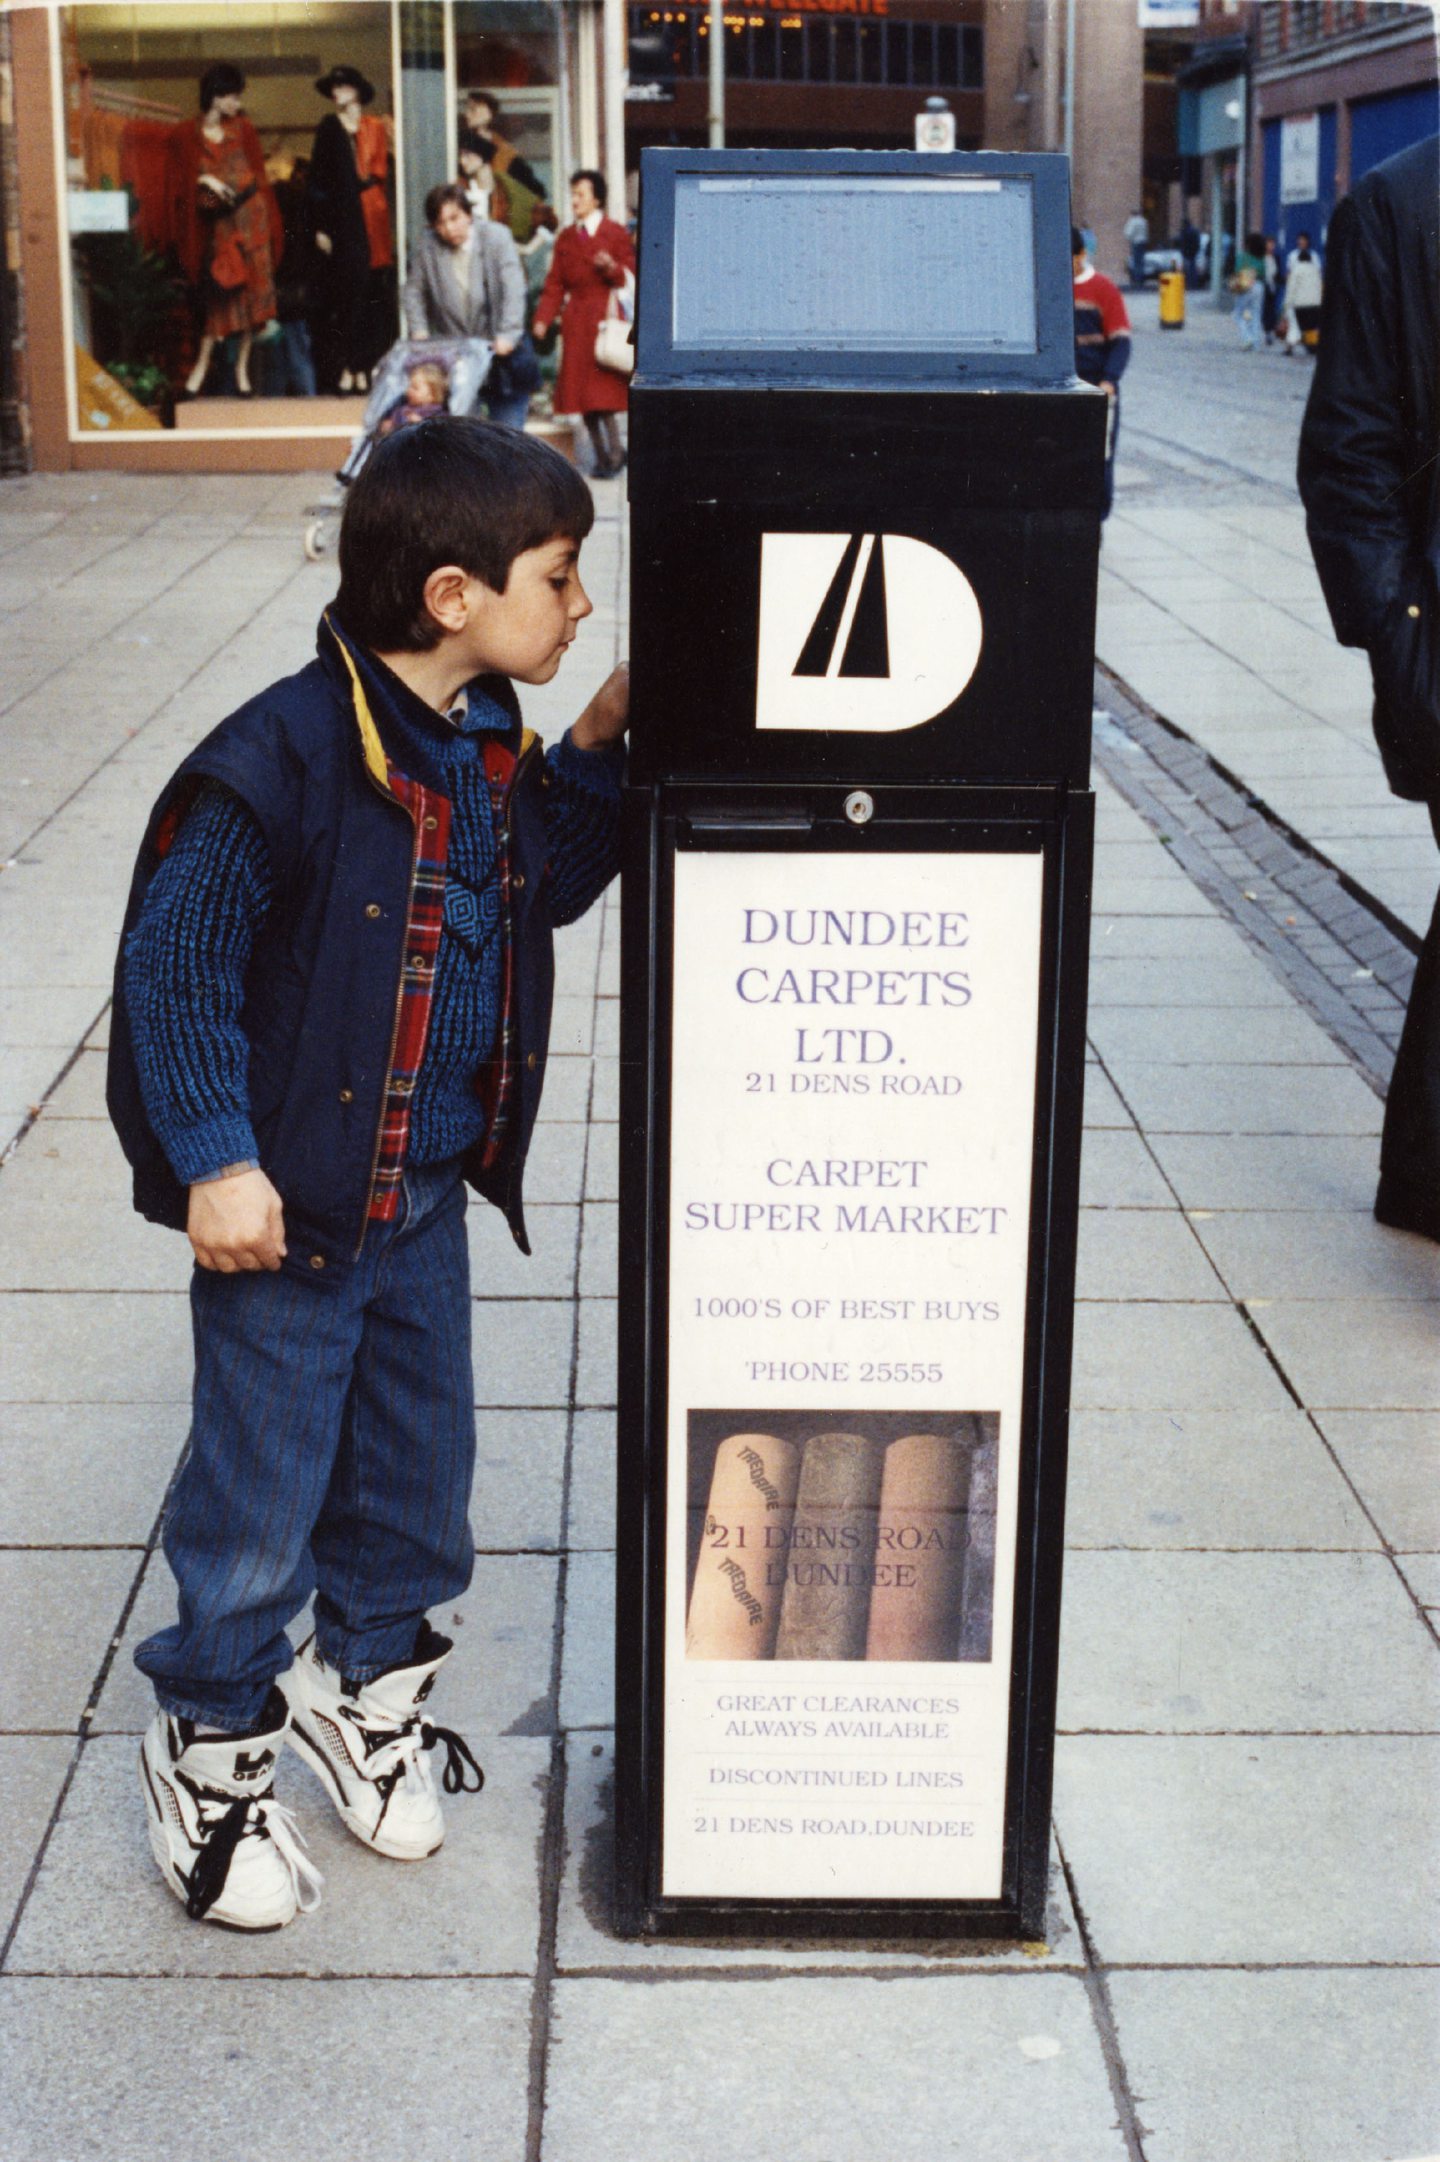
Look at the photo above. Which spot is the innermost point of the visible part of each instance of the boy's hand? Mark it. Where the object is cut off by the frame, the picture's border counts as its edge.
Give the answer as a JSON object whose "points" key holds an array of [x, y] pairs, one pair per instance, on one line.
{"points": [[237, 1223], [604, 719]]}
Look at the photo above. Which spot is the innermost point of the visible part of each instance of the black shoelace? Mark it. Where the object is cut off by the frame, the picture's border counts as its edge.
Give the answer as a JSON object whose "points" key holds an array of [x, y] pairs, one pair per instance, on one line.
{"points": [[457, 1758]]}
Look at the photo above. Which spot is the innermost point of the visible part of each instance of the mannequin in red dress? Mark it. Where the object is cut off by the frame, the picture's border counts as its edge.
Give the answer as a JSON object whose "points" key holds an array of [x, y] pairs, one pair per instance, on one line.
{"points": [[590, 262], [221, 208]]}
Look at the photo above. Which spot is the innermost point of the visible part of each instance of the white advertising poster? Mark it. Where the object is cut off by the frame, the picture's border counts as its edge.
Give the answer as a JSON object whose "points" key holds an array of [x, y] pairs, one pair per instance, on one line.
{"points": [[1300, 158], [853, 1102]]}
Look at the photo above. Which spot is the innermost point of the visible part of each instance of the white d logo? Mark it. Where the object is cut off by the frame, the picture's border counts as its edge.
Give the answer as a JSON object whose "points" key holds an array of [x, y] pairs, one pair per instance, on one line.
{"points": [[861, 631]]}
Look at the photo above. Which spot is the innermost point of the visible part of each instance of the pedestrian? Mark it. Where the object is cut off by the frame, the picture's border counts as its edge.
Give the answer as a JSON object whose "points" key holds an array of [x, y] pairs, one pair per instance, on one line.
{"points": [[467, 281], [1244, 283], [1369, 456], [1102, 345], [1189, 249], [592, 260], [331, 1014], [1304, 290], [1137, 240], [1272, 281]]}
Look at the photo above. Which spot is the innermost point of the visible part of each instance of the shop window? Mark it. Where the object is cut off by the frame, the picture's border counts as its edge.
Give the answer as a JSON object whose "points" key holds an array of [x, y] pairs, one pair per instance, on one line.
{"points": [[872, 51], [846, 52], [972, 57], [765, 51], [922, 53], [200, 163], [897, 52], [509, 52], [792, 52]]}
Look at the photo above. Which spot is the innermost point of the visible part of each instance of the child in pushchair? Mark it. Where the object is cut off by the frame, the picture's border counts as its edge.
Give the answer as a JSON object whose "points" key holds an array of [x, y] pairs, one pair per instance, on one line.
{"points": [[418, 378]]}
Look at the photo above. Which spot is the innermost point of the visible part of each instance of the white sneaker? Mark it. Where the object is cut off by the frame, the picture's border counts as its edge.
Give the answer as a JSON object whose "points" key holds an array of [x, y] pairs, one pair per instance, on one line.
{"points": [[227, 1849], [371, 1747]]}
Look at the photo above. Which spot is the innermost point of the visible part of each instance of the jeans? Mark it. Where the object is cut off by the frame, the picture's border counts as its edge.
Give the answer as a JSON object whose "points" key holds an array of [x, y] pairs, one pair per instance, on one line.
{"points": [[508, 412], [1247, 310], [332, 1450]]}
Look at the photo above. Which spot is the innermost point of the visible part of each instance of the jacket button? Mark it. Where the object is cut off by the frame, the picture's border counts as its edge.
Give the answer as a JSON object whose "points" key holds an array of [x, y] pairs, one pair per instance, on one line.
{"points": [[317, 1261], [431, 822], [347, 1096], [1412, 610], [530, 1061], [418, 961], [372, 909], [519, 881]]}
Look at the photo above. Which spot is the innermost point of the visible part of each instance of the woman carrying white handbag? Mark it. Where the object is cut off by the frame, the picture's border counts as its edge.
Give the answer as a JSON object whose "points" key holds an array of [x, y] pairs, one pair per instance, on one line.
{"points": [[593, 260]]}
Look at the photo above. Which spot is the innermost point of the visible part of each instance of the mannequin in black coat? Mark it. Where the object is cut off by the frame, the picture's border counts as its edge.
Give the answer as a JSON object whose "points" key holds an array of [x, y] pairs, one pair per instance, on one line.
{"points": [[1369, 475]]}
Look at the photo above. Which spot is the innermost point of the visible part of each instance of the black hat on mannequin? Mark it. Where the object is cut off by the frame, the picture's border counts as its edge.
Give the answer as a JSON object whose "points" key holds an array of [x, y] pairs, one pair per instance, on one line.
{"points": [[345, 78]]}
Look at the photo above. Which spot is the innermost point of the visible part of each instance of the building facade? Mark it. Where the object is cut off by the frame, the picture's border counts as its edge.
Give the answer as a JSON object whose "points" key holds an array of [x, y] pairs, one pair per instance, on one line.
{"points": [[1338, 86], [112, 310]]}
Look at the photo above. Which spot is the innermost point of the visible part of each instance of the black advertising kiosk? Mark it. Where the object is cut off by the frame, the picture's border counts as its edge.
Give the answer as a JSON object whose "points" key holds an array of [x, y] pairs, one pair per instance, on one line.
{"points": [[865, 492]]}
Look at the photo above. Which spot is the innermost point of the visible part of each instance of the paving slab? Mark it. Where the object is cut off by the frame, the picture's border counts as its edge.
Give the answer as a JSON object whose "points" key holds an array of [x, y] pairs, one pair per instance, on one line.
{"points": [[99, 1906], [555, 1165], [1236, 981], [519, 1479], [602, 1164], [587, 1687], [1206, 1035], [498, 1269], [497, 1680], [1138, 1357], [58, 1613], [1314, 1172], [1020, 2076], [1207, 1480], [1143, 1254], [95, 1347], [1290, 1254], [86, 1474], [591, 1519], [1103, 1103], [1117, 1171], [1422, 1573], [1393, 1460], [1245, 1642], [522, 1351], [1337, 2066], [1392, 1361], [32, 1772], [458, 2054], [595, 1374], [600, 1250], [1202, 1099], [1244, 1849], [587, 1941]]}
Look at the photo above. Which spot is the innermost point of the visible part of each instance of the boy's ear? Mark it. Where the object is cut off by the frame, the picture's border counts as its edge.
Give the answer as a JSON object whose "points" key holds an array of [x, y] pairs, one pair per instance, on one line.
{"points": [[448, 596]]}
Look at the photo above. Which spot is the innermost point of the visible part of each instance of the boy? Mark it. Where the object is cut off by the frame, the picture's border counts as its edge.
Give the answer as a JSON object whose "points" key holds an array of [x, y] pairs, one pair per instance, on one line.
{"points": [[331, 1012]]}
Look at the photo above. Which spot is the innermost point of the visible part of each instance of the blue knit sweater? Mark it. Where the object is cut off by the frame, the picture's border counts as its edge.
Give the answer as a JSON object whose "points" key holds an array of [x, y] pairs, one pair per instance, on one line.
{"points": [[187, 958]]}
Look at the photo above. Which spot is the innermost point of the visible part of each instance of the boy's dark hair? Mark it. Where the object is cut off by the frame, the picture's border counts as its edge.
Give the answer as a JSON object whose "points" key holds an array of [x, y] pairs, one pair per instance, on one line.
{"points": [[223, 80], [454, 490], [596, 180], [449, 191]]}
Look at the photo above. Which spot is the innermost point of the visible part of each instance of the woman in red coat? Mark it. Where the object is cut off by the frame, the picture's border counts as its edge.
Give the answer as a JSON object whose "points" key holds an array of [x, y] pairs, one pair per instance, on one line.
{"points": [[224, 222], [590, 261]]}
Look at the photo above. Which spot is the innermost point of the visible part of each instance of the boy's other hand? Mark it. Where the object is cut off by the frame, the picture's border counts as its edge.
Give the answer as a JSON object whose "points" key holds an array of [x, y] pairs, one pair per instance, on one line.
{"points": [[605, 718], [237, 1223]]}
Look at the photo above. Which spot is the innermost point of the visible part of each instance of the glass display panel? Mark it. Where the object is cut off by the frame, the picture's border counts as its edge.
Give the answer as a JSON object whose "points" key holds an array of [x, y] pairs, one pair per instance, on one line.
{"points": [[929, 265], [202, 296]]}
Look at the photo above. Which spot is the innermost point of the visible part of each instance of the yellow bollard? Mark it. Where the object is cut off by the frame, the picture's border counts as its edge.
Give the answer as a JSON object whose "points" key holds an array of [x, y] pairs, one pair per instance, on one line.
{"points": [[1172, 300]]}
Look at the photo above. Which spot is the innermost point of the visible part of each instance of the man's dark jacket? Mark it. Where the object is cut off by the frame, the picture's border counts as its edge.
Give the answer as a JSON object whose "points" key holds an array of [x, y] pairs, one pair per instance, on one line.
{"points": [[1370, 451], [1370, 478], [307, 758]]}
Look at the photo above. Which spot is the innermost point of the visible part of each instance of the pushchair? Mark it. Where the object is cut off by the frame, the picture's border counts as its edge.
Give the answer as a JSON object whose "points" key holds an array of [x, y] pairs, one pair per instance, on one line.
{"points": [[466, 362]]}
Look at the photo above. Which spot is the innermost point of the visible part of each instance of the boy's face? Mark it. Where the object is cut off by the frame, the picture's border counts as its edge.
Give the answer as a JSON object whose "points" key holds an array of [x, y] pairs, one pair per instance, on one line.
{"points": [[524, 631]]}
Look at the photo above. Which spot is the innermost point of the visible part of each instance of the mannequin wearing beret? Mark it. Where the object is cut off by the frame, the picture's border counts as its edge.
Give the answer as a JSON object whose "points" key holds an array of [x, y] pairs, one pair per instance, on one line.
{"points": [[350, 206]]}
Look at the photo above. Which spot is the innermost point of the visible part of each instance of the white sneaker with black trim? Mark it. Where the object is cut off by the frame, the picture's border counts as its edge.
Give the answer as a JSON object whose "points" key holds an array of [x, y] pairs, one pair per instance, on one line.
{"points": [[371, 1747], [227, 1849]]}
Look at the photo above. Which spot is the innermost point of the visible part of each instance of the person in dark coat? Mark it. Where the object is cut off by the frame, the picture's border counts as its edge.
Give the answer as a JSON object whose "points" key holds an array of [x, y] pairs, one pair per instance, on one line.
{"points": [[350, 216], [1369, 475], [588, 268]]}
